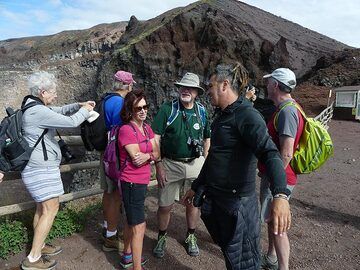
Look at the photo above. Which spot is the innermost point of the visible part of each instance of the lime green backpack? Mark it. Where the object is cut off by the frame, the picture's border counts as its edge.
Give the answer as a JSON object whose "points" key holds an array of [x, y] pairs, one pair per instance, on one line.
{"points": [[315, 145]]}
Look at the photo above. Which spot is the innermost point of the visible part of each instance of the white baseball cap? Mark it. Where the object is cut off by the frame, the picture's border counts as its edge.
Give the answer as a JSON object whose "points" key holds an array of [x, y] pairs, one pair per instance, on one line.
{"points": [[285, 76]]}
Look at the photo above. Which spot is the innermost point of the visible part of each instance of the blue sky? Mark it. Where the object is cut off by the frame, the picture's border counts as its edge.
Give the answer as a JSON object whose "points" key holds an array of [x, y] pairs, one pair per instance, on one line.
{"points": [[19, 18]]}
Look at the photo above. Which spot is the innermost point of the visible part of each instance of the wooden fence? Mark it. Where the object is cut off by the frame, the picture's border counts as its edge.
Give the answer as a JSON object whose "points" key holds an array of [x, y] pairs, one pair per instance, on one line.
{"points": [[324, 117], [71, 141]]}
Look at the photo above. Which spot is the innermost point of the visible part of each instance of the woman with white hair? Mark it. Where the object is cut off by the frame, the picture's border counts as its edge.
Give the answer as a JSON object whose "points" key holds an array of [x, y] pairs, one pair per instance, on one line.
{"points": [[41, 175]]}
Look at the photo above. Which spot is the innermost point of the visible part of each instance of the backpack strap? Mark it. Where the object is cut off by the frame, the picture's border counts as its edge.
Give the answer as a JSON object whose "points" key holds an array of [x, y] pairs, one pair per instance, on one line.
{"points": [[175, 109], [287, 104], [42, 144], [41, 138], [200, 110], [201, 117], [127, 155]]}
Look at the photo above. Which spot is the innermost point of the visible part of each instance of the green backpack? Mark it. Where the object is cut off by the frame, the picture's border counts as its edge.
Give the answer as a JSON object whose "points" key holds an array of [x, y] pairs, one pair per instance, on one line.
{"points": [[315, 145]]}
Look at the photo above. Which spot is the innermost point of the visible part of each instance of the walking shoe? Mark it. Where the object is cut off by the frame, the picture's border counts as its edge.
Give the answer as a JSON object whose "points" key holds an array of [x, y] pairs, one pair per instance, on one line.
{"points": [[112, 244], [50, 250], [41, 264], [191, 245], [103, 233], [159, 249], [127, 261], [267, 264]]}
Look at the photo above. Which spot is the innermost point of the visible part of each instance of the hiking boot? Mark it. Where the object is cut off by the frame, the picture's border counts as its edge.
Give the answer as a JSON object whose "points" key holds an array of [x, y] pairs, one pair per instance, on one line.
{"points": [[126, 261], [50, 250], [159, 249], [191, 245], [41, 264], [267, 264], [112, 244]]}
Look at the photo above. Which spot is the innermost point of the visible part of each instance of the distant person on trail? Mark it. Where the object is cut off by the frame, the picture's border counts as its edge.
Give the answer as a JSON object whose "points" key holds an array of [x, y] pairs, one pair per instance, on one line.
{"points": [[137, 149], [41, 175], [238, 138], [122, 84], [182, 131], [285, 128]]}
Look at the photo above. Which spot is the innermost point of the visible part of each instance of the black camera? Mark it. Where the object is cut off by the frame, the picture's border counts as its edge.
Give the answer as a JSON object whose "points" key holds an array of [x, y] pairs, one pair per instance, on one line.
{"points": [[197, 146], [65, 151], [199, 196]]}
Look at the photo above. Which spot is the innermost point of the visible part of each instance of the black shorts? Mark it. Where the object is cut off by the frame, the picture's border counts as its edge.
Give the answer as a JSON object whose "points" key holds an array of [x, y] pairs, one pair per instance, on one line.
{"points": [[134, 202], [234, 225]]}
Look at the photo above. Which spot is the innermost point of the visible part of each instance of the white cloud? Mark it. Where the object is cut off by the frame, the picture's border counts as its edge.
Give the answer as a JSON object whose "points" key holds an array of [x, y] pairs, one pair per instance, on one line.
{"points": [[82, 14], [55, 3], [40, 16], [337, 19], [15, 18]]}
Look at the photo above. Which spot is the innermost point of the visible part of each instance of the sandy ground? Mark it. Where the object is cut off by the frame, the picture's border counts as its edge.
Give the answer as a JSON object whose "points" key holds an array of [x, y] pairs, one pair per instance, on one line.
{"points": [[325, 232]]}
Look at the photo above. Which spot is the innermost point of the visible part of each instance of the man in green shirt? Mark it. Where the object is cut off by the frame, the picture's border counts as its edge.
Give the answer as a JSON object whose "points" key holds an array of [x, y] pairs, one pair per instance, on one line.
{"points": [[182, 131]]}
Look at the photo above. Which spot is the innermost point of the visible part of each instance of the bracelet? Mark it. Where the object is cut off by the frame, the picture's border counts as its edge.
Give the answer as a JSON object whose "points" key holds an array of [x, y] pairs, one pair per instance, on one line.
{"points": [[281, 196]]}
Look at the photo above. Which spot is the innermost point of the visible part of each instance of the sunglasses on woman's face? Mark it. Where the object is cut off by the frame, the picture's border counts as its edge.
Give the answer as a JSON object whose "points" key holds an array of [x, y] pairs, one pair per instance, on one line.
{"points": [[140, 108]]}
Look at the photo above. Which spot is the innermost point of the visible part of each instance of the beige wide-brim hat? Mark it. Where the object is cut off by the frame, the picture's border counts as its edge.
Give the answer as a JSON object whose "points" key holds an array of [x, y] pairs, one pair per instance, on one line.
{"points": [[190, 80]]}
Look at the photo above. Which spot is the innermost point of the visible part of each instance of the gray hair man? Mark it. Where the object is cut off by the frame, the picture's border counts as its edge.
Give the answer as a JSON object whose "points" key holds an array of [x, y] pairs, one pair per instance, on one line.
{"points": [[182, 131], [239, 137]]}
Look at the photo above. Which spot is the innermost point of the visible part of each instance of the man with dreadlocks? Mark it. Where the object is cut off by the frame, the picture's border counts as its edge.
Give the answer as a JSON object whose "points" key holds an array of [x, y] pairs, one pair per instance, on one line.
{"points": [[226, 183]]}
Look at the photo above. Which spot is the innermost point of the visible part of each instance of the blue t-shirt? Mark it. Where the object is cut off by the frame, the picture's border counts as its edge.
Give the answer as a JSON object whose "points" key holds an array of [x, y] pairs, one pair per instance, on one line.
{"points": [[113, 108]]}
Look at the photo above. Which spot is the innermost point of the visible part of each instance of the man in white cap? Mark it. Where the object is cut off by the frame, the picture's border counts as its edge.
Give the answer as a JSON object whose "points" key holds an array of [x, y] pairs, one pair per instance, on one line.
{"points": [[285, 127], [182, 131]]}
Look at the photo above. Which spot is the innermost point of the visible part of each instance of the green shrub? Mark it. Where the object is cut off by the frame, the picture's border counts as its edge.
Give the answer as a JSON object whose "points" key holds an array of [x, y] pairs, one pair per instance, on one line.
{"points": [[65, 224], [13, 237], [71, 219]]}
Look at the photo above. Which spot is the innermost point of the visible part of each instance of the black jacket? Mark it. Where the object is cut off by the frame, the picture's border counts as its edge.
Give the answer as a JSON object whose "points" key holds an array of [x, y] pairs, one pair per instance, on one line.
{"points": [[239, 137]]}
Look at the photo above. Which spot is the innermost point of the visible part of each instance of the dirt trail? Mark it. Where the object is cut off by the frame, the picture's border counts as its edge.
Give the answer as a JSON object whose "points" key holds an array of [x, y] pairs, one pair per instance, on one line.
{"points": [[325, 232]]}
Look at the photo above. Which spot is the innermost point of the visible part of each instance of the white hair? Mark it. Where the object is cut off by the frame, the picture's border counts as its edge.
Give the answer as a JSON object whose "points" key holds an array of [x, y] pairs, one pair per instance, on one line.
{"points": [[119, 86], [40, 81]]}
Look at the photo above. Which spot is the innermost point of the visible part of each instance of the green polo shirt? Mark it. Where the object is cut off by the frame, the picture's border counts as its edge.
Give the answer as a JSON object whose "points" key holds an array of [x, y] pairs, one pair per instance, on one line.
{"points": [[175, 137]]}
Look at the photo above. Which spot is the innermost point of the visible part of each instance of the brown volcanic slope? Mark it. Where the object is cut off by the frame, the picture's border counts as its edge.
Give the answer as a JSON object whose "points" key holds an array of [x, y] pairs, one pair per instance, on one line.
{"points": [[205, 33], [73, 56], [330, 71], [63, 45], [194, 38]]}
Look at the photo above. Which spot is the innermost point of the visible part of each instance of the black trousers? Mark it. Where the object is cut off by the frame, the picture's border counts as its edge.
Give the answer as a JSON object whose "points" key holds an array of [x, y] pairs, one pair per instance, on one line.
{"points": [[234, 225]]}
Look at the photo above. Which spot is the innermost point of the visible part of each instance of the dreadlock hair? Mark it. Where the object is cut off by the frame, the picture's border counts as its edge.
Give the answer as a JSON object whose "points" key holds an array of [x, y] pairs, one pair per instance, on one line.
{"points": [[236, 74]]}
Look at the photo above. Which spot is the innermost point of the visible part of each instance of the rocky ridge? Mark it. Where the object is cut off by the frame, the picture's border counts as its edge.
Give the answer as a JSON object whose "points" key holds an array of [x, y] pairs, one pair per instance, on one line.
{"points": [[158, 51]]}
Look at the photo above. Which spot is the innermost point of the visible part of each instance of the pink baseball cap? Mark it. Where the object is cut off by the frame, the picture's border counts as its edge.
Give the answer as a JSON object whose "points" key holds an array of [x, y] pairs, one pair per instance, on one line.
{"points": [[125, 77]]}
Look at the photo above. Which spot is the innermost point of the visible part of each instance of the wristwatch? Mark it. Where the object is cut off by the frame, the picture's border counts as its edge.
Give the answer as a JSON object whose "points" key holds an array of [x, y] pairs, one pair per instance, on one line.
{"points": [[281, 196]]}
